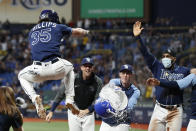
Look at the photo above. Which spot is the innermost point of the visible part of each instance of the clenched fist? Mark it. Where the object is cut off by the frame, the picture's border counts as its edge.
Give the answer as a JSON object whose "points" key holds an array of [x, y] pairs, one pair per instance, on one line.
{"points": [[152, 82]]}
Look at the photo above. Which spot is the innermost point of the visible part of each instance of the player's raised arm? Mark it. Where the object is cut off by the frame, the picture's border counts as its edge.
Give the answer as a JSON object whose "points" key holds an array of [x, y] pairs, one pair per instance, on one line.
{"points": [[137, 28], [79, 32], [149, 58]]}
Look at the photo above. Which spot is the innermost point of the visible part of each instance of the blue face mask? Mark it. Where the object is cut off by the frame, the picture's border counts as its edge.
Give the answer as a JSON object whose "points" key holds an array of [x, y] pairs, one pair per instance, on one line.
{"points": [[167, 62]]}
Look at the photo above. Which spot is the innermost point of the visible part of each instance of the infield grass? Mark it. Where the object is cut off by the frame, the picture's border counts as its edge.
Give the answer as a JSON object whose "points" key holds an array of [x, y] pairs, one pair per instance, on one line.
{"points": [[53, 126]]}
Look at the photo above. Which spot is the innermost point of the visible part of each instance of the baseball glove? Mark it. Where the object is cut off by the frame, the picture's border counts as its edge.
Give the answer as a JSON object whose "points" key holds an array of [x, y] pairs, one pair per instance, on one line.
{"points": [[72, 108]]}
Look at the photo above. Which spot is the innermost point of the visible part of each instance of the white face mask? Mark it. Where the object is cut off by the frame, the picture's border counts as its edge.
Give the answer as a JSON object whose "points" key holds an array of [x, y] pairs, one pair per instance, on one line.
{"points": [[167, 62]]}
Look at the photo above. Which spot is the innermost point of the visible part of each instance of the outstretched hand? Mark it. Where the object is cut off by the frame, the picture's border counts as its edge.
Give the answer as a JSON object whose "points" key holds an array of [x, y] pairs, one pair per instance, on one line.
{"points": [[49, 116], [137, 28], [152, 82]]}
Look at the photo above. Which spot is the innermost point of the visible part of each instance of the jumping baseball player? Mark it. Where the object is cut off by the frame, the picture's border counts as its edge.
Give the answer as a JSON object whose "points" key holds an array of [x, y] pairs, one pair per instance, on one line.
{"points": [[132, 93], [190, 80], [166, 99], [87, 86], [45, 40]]}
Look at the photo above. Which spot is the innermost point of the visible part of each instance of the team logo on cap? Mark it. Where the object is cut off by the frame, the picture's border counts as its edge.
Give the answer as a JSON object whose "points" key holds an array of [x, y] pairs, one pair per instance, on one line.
{"points": [[44, 16], [88, 59], [126, 66]]}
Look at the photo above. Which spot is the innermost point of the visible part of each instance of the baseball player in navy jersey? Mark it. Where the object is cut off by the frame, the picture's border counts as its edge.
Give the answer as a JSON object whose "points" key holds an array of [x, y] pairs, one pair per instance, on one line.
{"points": [[45, 40], [132, 93], [188, 81], [165, 116]]}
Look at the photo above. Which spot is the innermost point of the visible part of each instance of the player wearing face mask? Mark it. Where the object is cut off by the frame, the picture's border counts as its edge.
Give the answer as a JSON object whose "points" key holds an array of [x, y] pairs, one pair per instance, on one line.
{"points": [[167, 114], [167, 62], [168, 58]]}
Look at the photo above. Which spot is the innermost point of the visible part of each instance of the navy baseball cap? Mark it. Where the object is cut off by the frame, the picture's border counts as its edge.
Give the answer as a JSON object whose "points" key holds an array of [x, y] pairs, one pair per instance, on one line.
{"points": [[126, 67], [169, 51], [49, 14], [87, 60]]}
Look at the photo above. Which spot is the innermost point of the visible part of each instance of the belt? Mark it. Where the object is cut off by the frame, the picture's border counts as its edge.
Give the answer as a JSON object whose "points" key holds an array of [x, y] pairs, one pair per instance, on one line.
{"points": [[40, 63], [168, 107]]}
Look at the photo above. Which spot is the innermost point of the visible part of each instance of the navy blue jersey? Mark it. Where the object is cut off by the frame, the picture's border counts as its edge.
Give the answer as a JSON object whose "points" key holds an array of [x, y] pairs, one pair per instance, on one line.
{"points": [[45, 39], [188, 81], [193, 102], [163, 95], [7, 121]]}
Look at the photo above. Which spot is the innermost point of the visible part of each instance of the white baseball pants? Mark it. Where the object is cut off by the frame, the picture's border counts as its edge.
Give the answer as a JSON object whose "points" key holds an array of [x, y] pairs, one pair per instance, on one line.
{"points": [[191, 125], [62, 69], [86, 123], [120, 127], [166, 120]]}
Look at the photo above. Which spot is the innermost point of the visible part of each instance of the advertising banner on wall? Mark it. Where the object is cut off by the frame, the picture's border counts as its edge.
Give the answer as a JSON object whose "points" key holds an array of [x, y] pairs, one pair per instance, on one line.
{"points": [[112, 9], [27, 11]]}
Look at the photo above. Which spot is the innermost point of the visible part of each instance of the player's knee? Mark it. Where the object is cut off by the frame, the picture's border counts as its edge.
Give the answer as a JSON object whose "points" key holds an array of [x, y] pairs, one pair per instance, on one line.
{"points": [[69, 69]]}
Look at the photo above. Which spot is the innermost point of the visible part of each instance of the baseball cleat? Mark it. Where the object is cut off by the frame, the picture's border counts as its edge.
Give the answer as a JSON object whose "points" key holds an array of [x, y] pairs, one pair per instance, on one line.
{"points": [[40, 108]]}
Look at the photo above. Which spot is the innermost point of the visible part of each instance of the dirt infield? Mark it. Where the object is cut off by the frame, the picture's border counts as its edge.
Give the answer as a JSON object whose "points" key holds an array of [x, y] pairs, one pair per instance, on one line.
{"points": [[137, 126]]}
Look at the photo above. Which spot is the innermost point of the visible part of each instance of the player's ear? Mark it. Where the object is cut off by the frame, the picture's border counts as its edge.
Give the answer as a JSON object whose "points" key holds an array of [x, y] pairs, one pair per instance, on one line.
{"points": [[81, 67], [174, 59], [119, 74]]}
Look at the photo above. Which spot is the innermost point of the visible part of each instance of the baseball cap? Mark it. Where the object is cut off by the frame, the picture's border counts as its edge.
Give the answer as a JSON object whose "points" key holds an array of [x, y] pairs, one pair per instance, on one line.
{"points": [[126, 67], [49, 14], [169, 51], [87, 60]]}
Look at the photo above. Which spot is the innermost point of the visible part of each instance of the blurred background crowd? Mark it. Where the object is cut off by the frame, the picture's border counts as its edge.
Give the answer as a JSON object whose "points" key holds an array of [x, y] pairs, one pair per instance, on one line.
{"points": [[110, 44]]}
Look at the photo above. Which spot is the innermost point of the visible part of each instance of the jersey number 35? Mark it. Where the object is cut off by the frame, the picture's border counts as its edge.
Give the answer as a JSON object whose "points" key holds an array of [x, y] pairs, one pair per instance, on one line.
{"points": [[41, 36]]}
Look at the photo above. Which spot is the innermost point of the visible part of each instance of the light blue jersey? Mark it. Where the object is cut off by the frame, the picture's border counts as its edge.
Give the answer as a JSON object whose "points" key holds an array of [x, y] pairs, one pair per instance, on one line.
{"points": [[190, 80]]}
